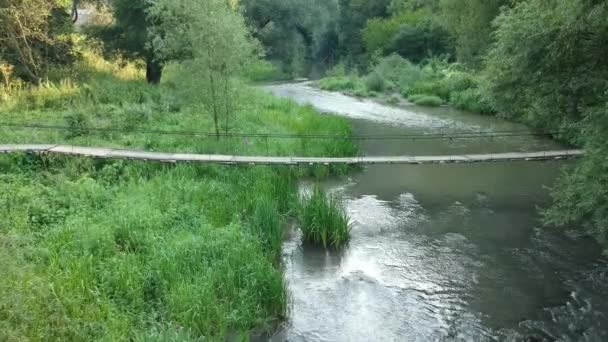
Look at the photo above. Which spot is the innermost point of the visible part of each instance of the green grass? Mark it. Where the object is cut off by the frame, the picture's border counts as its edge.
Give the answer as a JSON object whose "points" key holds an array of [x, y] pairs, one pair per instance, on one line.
{"points": [[323, 221], [124, 250], [426, 100]]}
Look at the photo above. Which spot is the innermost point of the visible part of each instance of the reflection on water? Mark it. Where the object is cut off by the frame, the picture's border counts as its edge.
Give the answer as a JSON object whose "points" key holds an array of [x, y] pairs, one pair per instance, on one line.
{"points": [[443, 252]]}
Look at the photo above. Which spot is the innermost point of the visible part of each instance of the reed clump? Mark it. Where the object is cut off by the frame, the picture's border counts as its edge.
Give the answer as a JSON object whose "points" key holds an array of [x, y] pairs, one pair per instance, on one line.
{"points": [[323, 220]]}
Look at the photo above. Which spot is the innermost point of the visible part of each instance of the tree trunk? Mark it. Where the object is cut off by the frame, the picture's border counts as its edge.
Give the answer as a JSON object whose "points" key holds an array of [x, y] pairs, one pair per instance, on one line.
{"points": [[154, 71]]}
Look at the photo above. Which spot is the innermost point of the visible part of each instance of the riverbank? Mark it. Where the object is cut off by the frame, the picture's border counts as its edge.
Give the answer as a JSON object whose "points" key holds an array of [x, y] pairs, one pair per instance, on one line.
{"points": [[395, 80], [127, 250]]}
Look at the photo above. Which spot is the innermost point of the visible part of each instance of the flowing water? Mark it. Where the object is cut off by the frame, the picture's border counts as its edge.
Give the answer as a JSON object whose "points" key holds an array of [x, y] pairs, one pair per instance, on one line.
{"points": [[443, 252]]}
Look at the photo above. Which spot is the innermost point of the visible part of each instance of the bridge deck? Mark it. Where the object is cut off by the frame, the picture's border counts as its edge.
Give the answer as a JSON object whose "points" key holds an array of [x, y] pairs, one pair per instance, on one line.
{"points": [[111, 153]]}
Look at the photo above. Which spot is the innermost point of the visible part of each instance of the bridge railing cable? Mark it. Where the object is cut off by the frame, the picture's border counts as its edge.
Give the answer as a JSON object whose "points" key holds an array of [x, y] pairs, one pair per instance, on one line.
{"points": [[357, 137]]}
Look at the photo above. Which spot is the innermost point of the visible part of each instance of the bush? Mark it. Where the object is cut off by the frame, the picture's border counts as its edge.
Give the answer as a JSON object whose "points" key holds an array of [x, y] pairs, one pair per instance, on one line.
{"points": [[337, 71], [323, 220], [375, 82], [264, 71], [399, 71], [433, 87], [338, 83], [78, 124], [459, 81], [426, 100], [471, 100]]}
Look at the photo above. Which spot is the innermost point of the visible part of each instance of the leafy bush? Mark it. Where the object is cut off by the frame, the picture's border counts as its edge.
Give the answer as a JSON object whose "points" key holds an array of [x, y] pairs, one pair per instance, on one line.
{"points": [[323, 220], [471, 100], [459, 81], [338, 83], [337, 71], [399, 71], [375, 82], [433, 87], [264, 71], [78, 124], [426, 100]]}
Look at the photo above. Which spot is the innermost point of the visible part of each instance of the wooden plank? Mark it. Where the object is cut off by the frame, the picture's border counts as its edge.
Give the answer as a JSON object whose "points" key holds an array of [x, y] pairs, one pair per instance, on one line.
{"points": [[253, 160], [25, 148]]}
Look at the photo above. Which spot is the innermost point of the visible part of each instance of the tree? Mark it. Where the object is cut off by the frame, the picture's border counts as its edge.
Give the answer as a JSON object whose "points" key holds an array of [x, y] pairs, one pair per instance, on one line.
{"points": [[219, 42], [547, 68], [354, 15], [414, 34], [130, 34], [299, 34], [31, 36], [470, 23]]}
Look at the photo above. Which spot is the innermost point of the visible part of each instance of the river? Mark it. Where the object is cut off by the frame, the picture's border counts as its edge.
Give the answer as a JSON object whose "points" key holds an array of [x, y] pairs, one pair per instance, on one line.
{"points": [[443, 252]]}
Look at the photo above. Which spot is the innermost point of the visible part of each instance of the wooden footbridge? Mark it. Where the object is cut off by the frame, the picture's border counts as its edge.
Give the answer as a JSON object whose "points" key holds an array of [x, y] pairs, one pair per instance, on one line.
{"points": [[111, 153]]}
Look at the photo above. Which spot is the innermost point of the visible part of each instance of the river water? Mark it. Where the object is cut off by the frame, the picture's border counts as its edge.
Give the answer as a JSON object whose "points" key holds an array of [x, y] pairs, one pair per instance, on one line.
{"points": [[443, 252]]}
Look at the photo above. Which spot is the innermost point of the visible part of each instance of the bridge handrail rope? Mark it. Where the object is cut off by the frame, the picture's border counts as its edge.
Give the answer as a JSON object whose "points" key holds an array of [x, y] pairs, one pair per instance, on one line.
{"points": [[429, 136]]}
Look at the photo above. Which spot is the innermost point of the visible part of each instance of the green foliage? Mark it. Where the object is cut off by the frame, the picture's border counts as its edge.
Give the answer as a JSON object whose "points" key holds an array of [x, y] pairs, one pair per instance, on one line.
{"points": [[471, 100], [35, 35], [414, 33], [426, 100], [220, 47], [581, 196], [267, 225], [556, 75], [323, 220], [375, 82], [100, 250], [434, 87], [470, 23], [264, 71], [399, 71], [339, 83], [298, 35]]}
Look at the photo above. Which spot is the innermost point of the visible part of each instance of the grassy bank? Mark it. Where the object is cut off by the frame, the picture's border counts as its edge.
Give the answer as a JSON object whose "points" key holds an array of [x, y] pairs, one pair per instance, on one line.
{"points": [[120, 250], [432, 83]]}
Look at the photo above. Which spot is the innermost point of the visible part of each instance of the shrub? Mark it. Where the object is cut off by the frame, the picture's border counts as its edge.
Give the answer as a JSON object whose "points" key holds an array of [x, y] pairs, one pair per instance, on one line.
{"points": [[375, 82], [471, 100], [399, 71], [393, 99], [323, 220], [433, 87], [78, 124], [459, 81], [262, 71], [426, 100], [337, 71], [338, 83]]}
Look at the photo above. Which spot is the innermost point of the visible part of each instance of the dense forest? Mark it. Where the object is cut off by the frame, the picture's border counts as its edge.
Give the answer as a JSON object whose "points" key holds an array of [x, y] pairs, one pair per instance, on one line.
{"points": [[103, 250]]}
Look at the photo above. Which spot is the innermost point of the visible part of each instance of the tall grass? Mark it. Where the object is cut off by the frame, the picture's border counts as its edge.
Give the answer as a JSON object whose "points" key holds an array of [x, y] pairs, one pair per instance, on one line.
{"points": [[323, 220], [103, 250], [266, 225]]}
